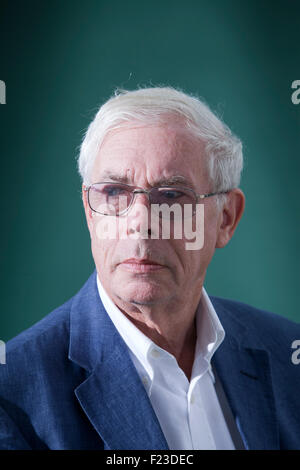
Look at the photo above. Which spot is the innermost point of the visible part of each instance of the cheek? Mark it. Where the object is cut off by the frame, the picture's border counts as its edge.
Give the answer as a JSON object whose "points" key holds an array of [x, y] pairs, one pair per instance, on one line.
{"points": [[99, 253], [109, 242], [102, 246], [211, 221], [195, 253]]}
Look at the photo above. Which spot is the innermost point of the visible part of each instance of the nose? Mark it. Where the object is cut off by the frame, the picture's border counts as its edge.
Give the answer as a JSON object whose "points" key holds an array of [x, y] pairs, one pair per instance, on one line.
{"points": [[141, 193], [141, 196], [139, 215]]}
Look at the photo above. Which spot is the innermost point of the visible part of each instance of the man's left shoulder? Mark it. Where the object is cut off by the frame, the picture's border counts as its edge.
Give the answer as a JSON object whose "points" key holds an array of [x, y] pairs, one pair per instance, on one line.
{"points": [[263, 326]]}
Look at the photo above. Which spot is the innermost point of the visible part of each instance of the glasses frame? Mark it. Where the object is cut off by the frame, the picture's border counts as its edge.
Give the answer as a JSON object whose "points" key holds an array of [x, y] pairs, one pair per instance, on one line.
{"points": [[134, 190]]}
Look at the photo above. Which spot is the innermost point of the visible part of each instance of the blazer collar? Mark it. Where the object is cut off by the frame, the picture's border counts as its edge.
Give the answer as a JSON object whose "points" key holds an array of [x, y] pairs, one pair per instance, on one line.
{"points": [[113, 396]]}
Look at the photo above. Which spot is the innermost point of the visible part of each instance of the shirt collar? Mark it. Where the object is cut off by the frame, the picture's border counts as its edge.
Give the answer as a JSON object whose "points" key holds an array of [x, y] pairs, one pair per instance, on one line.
{"points": [[210, 333]]}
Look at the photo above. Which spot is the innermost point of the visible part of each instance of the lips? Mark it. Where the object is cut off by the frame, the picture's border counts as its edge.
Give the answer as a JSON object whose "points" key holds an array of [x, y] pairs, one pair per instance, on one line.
{"points": [[141, 265]]}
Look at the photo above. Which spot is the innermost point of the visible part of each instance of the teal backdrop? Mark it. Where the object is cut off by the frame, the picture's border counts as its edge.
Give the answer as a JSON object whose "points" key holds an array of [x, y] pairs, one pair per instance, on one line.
{"points": [[61, 59]]}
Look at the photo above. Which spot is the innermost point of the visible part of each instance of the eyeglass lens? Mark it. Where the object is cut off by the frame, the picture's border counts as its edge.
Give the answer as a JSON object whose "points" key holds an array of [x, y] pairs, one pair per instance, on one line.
{"points": [[115, 198]]}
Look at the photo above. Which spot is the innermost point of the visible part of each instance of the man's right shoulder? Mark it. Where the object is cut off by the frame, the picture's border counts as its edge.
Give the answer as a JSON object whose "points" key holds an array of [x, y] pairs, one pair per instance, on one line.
{"points": [[47, 337], [44, 347]]}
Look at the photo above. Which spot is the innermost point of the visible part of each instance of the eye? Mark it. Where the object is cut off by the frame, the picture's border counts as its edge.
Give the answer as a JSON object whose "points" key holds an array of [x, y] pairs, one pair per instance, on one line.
{"points": [[113, 190], [172, 194]]}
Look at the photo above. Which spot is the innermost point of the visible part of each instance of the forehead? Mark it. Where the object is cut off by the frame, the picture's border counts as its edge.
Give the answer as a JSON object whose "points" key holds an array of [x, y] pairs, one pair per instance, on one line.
{"points": [[137, 151]]}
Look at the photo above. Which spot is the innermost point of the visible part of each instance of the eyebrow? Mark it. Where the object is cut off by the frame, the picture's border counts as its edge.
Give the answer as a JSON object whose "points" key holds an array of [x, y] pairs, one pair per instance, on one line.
{"points": [[172, 180]]}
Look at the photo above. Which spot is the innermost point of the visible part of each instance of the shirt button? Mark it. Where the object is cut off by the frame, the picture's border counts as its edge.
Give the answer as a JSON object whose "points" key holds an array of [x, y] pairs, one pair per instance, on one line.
{"points": [[192, 400], [155, 353], [145, 380]]}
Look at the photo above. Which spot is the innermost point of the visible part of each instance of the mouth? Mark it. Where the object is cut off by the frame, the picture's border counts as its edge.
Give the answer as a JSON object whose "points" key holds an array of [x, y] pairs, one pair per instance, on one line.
{"points": [[136, 265]]}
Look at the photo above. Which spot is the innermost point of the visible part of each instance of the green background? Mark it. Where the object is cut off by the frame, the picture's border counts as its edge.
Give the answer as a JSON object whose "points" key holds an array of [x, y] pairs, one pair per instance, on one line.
{"points": [[61, 59]]}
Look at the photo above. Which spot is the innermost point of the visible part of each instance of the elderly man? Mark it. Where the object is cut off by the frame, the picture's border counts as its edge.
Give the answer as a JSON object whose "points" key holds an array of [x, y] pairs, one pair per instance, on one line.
{"points": [[142, 357]]}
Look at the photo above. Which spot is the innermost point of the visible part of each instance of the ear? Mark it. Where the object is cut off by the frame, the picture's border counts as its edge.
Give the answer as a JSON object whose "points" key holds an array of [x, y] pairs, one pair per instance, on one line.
{"points": [[230, 216], [88, 211]]}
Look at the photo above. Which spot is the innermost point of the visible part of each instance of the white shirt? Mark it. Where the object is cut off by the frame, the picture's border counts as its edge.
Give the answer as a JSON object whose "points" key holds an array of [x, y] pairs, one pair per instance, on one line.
{"points": [[189, 413]]}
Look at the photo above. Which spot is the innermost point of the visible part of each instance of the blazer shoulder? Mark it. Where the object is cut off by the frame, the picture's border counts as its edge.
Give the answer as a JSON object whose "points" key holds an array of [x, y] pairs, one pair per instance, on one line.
{"points": [[265, 326], [35, 355], [51, 327], [37, 379]]}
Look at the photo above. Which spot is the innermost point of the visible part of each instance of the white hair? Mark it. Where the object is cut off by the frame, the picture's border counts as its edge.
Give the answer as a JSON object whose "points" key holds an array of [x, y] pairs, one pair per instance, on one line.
{"points": [[152, 105]]}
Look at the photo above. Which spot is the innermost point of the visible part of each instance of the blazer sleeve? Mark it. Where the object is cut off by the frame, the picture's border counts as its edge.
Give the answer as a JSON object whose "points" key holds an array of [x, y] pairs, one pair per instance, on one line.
{"points": [[10, 436]]}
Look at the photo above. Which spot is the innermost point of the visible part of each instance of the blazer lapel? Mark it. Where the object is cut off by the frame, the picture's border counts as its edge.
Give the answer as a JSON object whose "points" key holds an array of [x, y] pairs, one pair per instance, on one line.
{"points": [[245, 373], [112, 397]]}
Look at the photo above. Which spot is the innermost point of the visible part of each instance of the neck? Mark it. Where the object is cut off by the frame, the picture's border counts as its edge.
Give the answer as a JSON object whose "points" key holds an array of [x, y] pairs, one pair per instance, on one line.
{"points": [[172, 326]]}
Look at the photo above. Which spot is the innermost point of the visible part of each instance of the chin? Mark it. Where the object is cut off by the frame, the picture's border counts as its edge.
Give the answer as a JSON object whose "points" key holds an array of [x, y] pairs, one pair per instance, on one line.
{"points": [[142, 292]]}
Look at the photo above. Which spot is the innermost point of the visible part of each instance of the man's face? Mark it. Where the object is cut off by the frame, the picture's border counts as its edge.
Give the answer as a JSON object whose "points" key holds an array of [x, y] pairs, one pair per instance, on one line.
{"points": [[145, 156]]}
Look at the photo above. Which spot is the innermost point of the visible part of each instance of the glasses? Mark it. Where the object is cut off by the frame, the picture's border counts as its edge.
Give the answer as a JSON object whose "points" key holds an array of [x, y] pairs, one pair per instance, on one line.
{"points": [[109, 198]]}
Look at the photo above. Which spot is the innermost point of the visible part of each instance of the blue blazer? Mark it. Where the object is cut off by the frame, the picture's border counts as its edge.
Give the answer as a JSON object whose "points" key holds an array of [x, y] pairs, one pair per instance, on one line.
{"points": [[69, 382]]}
